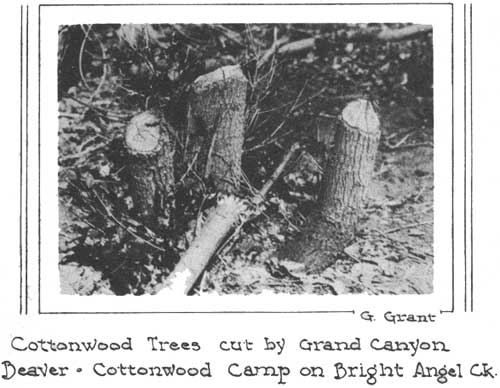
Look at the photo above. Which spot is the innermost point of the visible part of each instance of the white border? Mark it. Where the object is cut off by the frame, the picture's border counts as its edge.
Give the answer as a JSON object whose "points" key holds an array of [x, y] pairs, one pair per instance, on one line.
{"points": [[437, 15]]}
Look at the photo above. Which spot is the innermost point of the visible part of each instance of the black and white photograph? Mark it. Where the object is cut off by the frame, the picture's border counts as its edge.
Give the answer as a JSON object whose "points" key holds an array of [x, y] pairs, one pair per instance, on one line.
{"points": [[246, 159], [250, 193]]}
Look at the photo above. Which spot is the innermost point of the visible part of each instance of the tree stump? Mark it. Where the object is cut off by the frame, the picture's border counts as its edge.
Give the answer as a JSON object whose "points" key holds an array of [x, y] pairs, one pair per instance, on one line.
{"points": [[151, 167], [216, 118], [347, 175]]}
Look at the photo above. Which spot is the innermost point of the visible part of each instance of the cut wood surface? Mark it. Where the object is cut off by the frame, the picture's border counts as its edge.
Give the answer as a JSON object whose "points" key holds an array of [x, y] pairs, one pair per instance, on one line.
{"points": [[151, 166], [346, 178], [216, 119]]}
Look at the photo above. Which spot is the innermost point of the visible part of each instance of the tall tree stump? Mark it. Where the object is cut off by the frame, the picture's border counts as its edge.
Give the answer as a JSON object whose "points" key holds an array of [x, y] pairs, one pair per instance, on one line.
{"points": [[151, 166], [347, 175], [216, 118]]}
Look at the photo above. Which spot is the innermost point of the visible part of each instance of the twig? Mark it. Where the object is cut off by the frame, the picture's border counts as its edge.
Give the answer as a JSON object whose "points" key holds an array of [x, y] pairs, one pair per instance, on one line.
{"points": [[230, 34], [402, 141], [408, 146], [409, 226], [229, 212], [271, 51], [80, 55], [78, 155], [199, 216], [296, 105], [189, 167], [406, 132], [210, 150], [259, 197], [104, 70], [127, 229], [185, 35], [88, 223], [101, 112], [276, 174], [421, 191], [73, 116]]}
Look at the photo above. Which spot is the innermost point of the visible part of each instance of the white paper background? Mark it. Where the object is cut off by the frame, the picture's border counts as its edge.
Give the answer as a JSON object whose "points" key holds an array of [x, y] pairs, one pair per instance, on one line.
{"points": [[471, 337]]}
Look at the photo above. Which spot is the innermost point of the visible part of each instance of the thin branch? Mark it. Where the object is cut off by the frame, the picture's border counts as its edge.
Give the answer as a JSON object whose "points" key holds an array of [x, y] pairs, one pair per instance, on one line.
{"points": [[80, 154], [120, 224], [408, 146], [101, 112], [276, 174], [104, 70], [408, 226], [188, 170], [80, 55]]}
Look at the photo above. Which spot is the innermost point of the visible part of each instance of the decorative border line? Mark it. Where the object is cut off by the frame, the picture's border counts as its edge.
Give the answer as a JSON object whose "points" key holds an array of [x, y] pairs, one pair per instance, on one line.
{"points": [[452, 309], [194, 312], [231, 4], [471, 168], [468, 163], [238, 4], [26, 210], [21, 161], [23, 158], [465, 157], [468, 60]]}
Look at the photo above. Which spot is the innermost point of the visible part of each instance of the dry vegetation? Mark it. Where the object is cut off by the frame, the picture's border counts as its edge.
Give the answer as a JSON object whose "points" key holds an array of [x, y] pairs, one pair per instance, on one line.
{"points": [[108, 73]]}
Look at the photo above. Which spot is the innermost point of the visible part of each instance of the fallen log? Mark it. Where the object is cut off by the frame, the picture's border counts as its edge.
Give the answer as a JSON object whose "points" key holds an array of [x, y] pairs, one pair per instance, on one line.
{"points": [[219, 222], [229, 211], [361, 35], [403, 33]]}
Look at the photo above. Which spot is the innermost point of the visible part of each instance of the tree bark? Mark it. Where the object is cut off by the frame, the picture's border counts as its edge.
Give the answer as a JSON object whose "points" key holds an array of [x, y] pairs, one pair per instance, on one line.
{"points": [[193, 262], [151, 167], [347, 176], [216, 118]]}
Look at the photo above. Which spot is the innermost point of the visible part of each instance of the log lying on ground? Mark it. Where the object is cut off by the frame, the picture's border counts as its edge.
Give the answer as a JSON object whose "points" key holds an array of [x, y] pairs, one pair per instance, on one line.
{"points": [[216, 118], [389, 34], [218, 224], [347, 176], [362, 35], [151, 166], [220, 221]]}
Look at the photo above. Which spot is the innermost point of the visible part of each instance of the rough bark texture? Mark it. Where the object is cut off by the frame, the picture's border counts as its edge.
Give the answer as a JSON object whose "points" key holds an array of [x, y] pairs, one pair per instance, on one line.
{"points": [[349, 169], [151, 167], [216, 118], [346, 178]]}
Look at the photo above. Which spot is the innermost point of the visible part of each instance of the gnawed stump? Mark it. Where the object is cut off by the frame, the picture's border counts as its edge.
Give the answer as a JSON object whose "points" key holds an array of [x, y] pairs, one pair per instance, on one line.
{"points": [[151, 167], [347, 176], [216, 118]]}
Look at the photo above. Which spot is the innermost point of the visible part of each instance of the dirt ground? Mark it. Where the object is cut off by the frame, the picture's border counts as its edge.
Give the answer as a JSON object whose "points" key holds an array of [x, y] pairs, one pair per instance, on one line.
{"points": [[104, 248], [391, 254]]}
